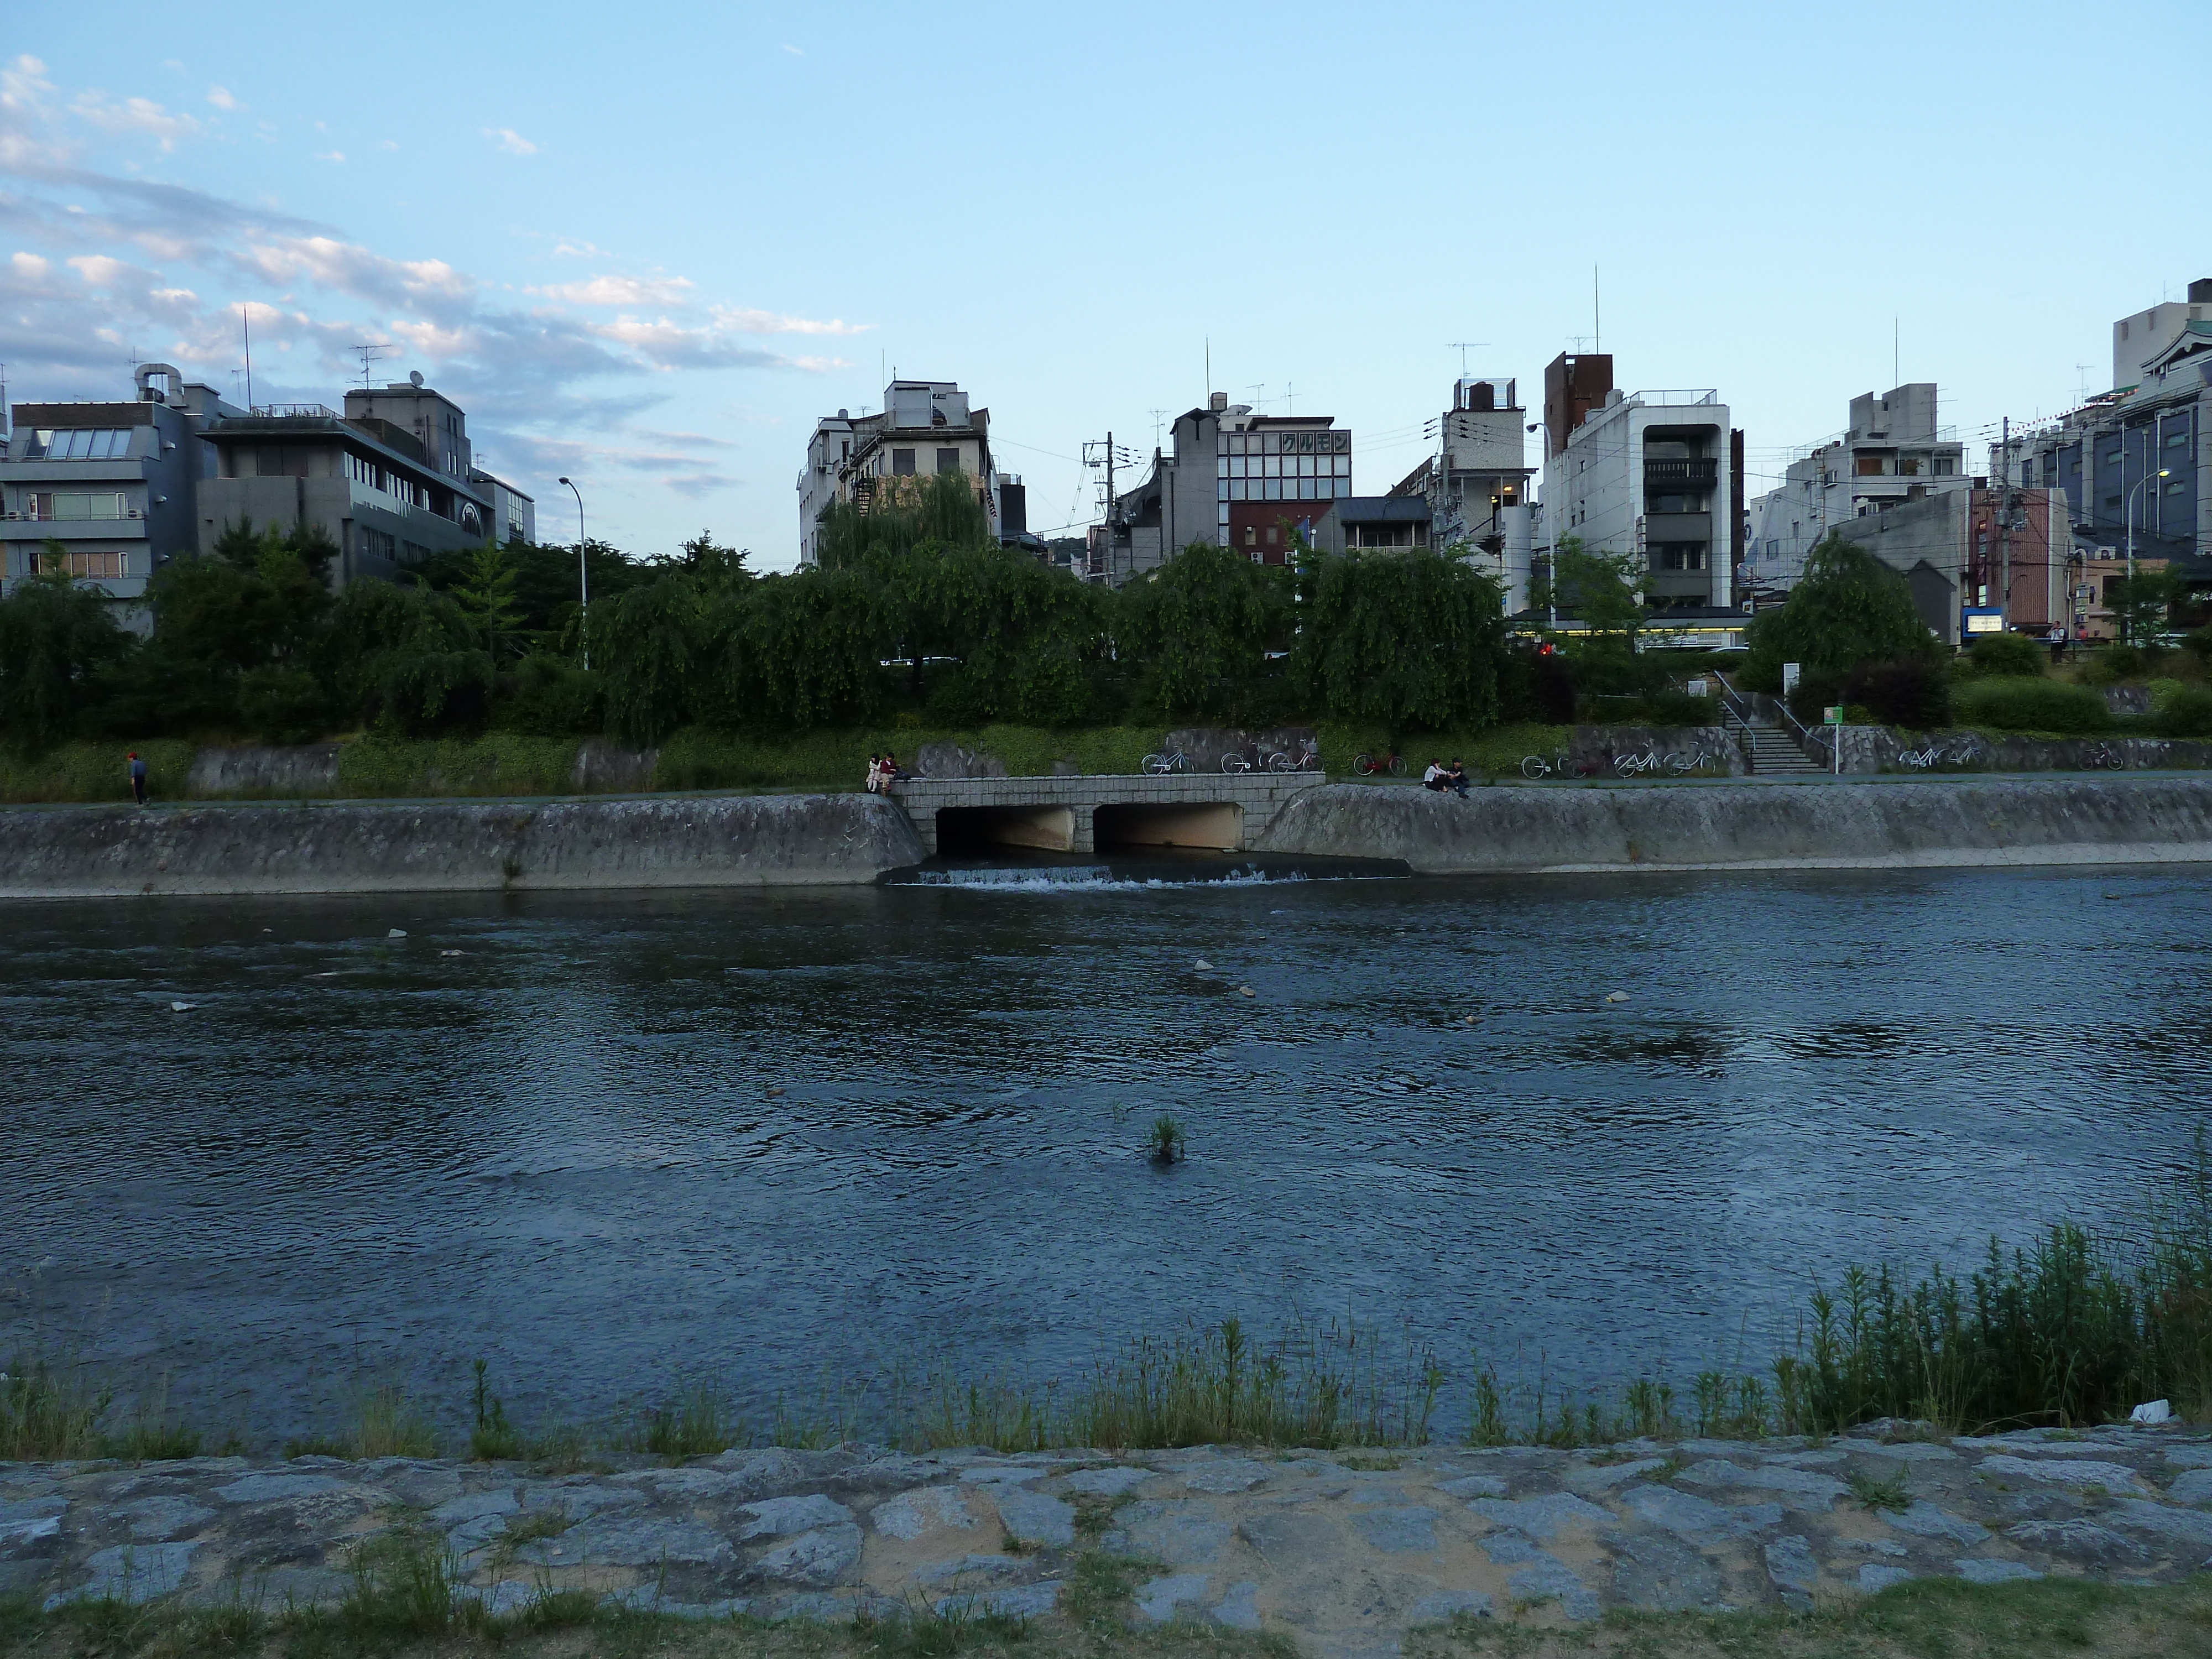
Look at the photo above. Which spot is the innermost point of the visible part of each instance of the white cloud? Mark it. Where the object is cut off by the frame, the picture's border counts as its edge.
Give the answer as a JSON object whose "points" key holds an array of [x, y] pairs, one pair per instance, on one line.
{"points": [[30, 266], [389, 143], [133, 116], [620, 291], [221, 98], [509, 139], [794, 52], [97, 269], [768, 322], [330, 156]]}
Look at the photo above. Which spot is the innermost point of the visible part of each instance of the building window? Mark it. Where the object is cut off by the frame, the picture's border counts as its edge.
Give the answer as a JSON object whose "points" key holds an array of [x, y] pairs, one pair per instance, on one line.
{"points": [[1270, 535], [2178, 439], [2175, 486], [1868, 466], [1682, 555], [1909, 466], [1251, 535], [948, 460], [74, 504], [901, 463], [76, 562], [83, 444]]}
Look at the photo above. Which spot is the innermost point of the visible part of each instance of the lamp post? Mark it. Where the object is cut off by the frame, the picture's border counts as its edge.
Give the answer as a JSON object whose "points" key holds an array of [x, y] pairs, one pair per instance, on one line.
{"points": [[1551, 557], [583, 579], [2132, 493]]}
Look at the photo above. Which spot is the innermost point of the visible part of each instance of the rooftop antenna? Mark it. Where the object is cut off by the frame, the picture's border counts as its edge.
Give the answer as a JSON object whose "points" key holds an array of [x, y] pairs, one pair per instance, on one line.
{"points": [[1290, 396], [1463, 347], [1896, 357], [2082, 370], [1209, 368], [1257, 389], [369, 354], [1597, 326], [245, 328], [1159, 412], [7, 427]]}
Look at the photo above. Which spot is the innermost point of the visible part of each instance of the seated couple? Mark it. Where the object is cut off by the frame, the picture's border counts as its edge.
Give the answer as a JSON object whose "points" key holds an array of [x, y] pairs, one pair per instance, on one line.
{"points": [[883, 771], [1438, 778]]}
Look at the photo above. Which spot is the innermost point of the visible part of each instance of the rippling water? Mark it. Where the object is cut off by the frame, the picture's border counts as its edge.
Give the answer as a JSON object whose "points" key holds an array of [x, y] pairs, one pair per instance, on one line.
{"points": [[542, 1130]]}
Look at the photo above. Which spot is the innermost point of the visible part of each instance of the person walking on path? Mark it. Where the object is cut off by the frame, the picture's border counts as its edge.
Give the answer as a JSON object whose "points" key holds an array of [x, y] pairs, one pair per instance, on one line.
{"points": [[138, 769]]}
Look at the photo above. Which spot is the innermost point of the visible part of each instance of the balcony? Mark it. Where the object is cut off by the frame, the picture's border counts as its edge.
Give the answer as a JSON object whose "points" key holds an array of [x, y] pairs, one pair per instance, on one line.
{"points": [[1677, 527], [1671, 476]]}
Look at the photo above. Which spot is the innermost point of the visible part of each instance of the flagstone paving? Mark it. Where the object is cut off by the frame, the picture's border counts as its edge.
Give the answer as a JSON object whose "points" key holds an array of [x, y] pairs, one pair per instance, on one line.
{"points": [[1342, 1551]]}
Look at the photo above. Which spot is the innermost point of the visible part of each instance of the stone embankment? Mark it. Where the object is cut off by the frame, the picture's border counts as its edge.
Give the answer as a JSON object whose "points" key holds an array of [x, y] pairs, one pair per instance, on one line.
{"points": [[364, 847], [1342, 1551], [1819, 825]]}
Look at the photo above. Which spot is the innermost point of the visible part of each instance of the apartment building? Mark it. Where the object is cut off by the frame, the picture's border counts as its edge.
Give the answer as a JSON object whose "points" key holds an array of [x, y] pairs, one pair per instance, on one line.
{"points": [[1477, 484], [1654, 476], [1893, 452], [927, 429], [115, 483], [391, 482]]}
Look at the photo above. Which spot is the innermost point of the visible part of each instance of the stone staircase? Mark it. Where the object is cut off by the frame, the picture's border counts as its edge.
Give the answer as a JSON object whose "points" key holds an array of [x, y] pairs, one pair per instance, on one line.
{"points": [[1773, 748]]}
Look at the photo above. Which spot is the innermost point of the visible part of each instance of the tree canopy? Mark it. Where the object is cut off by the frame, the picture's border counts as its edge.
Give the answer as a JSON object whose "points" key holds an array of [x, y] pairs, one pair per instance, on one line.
{"points": [[1848, 608]]}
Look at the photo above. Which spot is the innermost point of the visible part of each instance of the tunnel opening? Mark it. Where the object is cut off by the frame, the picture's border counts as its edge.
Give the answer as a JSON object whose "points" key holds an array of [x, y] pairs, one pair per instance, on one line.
{"points": [[965, 831], [1215, 826]]}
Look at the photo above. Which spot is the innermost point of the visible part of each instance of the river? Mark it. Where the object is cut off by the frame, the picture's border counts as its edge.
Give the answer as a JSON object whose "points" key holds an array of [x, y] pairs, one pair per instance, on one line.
{"points": [[546, 1131]]}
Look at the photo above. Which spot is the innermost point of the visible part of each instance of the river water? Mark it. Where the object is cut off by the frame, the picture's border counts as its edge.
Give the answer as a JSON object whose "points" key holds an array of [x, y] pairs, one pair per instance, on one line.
{"points": [[543, 1131]]}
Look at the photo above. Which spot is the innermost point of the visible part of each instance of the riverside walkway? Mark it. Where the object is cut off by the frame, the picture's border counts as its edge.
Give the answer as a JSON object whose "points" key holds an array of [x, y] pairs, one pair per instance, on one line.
{"points": [[1343, 1552]]}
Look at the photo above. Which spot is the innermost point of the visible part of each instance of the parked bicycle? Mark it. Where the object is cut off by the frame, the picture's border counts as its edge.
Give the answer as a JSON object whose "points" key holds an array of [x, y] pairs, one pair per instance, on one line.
{"points": [[1635, 766], [1559, 765], [1682, 762], [1234, 761], [1389, 760], [1173, 761], [1308, 759]]}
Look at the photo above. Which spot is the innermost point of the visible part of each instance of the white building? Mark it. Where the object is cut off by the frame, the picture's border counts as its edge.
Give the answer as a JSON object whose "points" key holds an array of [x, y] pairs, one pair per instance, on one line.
{"points": [[1477, 483], [1893, 452], [2139, 340], [1653, 476], [927, 429]]}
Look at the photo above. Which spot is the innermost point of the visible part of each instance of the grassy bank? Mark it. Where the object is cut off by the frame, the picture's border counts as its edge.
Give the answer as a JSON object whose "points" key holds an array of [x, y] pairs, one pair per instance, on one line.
{"points": [[2075, 1329]]}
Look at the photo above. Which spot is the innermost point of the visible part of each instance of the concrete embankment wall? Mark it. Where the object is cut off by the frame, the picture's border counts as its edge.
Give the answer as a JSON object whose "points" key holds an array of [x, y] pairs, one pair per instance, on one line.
{"points": [[1933, 822], [362, 847]]}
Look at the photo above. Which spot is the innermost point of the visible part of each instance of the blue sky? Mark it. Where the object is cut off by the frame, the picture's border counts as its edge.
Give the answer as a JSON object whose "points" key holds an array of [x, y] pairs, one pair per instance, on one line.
{"points": [[647, 246]]}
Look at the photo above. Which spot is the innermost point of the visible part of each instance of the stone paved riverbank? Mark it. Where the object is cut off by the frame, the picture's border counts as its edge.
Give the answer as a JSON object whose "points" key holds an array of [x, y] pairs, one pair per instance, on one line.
{"points": [[1343, 1552]]}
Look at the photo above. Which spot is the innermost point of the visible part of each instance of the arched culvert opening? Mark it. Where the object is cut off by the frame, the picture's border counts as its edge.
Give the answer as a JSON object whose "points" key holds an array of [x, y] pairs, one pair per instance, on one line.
{"points": [[966, 831], [1216, 826]]}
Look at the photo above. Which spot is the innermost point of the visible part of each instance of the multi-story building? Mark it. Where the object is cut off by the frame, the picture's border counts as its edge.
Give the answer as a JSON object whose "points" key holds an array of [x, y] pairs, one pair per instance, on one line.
{"points": [[513, 514], [1656, 477], [115, 483], [2134, 465], [1477, 483], [1892, 452], [1982, 556], [926, 429], [391, 482], [1255, 482]]}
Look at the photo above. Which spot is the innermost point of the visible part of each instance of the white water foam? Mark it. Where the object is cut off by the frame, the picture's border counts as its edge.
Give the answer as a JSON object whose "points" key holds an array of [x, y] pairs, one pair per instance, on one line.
{"points": [[1084, 879]]}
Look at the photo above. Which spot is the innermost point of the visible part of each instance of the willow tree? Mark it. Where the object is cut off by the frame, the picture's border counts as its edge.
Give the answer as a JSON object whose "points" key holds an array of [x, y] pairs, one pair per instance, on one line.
{"points": [[1197, 630], [56, 639], [1847, 609], [1410, 640]]}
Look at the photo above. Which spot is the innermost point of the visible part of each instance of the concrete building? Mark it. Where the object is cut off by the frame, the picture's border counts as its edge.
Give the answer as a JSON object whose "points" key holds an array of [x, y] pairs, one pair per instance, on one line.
{"points": [[1976, 558], [1892, 452], [926, 429], [1477, 484], [2134, 462], [513, 514], [116, 483], [1232, 477], [2139, 340], [390, 482], [1653, 476]]}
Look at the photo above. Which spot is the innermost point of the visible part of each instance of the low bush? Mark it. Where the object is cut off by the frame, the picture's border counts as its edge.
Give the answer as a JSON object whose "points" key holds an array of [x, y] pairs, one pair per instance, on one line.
{"points": [[1995, 655], [2185, 712], [1672, 707], [1911, 692], [2018, 705]]}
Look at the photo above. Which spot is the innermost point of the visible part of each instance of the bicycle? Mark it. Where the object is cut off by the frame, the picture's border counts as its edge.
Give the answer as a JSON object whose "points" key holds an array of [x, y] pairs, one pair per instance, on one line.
{"points": [[1561, 763], [1173, 761], [1308, 759], [2102, 756], [1631, 766], [1681, 762], [1234, 762], [1368, 765]]}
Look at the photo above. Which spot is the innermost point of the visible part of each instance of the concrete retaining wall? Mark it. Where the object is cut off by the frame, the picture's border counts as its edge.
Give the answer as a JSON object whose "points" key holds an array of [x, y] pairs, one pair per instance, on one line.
{"points": [[361, 847], [1753, 826]]}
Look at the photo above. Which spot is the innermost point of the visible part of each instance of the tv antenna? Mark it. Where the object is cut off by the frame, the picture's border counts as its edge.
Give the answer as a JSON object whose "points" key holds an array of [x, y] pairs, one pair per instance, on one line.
{"points": [[1463, 347], [1156, 415], [2081, 370], [372, 353]]}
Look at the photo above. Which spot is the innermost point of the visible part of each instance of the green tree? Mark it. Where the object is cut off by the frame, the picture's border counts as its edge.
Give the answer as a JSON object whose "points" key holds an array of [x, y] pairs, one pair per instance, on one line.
{"points": [[1601, 591], [2143, 604], [1410, 639], [485, 594], [58, 638], [647, 646], [1199, 628], [943, 509], [1848, 608], [257, 605], [405, 660]]}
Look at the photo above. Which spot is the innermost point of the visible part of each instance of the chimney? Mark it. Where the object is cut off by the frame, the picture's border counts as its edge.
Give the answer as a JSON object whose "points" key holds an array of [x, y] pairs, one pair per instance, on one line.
{"points": [[1218, 402]]}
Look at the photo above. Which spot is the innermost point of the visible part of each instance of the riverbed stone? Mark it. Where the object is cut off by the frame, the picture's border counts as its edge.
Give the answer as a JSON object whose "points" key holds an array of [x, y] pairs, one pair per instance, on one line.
{"points": [[1654, 1572], [1874, 1577], [1023, 1602], [2077, 1472], [1107, 1483], [1552, 1580], [649, 1598], [1792, 1570], [1700, 1519], [2190, 1457], [1410, 1528], [32, 1534], [819, 1558], [1924, 1520], [784, 1517], [1284, 1537], [2193, 1487], [926, 1509], [1906, 1451], [1802, 1488], [1239, 1607], [631, 1541], [1598, 1478], [1979, 1571], [132, 1574], [294, 1488], [577, 1497], [1230, 1474], [1179, 1532], [969, 1570], [2189, 1526], [2079, 1539], [1476, 1486], [162, 1518], [1159, 1599], [1443, 1605], [1032, 1517], [1547, 1515]]}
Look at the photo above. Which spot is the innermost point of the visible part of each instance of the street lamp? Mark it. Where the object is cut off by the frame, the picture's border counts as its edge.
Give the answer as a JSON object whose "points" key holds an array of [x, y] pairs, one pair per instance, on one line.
{"points": [[1551, 557], [583, 579], [2132, 493]]}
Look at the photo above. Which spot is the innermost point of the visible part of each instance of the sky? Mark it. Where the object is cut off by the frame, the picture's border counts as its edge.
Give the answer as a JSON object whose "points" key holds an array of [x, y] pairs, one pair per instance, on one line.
{"points": [[648, 245]]}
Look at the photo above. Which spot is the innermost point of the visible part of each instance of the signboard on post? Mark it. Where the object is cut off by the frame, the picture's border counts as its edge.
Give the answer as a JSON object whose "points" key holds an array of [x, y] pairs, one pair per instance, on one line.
{"points": [[1833, 714]]}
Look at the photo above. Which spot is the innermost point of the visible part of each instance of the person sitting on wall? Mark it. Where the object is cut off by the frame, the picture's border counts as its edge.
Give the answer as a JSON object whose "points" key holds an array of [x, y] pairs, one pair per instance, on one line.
{"points": [[893, 773], [1434, 778], [875, 773], [1455, 779]]}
